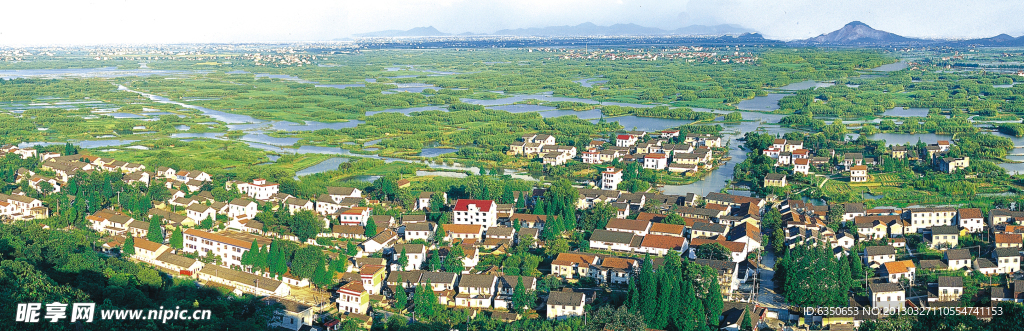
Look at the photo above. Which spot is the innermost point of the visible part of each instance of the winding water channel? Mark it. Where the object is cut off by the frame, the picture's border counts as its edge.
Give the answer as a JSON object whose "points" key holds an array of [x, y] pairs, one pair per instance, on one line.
{"points": [[716, 180]]}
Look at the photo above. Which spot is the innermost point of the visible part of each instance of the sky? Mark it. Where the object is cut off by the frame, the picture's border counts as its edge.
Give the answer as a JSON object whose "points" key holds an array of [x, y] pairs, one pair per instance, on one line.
{"points": [[49, 22]]}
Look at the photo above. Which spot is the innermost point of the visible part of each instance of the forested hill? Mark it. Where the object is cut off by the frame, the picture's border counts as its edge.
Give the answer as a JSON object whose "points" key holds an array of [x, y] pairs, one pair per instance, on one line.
{"points": [[46, 265]]}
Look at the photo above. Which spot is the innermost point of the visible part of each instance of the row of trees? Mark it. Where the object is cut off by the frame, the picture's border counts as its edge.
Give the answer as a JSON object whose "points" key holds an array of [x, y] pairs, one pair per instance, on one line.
{"points": [[811, 276], [681, 295], [41, 265], [282, 256]]}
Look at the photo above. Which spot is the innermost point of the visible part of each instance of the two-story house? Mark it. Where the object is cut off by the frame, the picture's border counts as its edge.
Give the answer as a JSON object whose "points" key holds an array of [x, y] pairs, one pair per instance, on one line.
{"points": [[958, 259], [476, 212], [875, 256], [476, 291], [564, 304]]}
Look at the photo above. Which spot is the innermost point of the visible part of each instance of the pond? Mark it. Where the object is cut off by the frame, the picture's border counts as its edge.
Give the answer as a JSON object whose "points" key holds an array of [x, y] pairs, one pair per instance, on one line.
{"points": [[407, 111], [313, 125], [208, 135], [586, 114], [626, 104], [807, 84], [125, 115], [432, 152], [265, 139], [906, 112], [747, 115], [872, 196], [105, 72], [766, 103], [906, 138], [81, 144], [892, 67], [365, 178], [283, 77], [341, 86], [589, 82], [545, 96], [182, 127], [243, 119], [522, 108], [441, 174], [324, 166], [644, 123]]}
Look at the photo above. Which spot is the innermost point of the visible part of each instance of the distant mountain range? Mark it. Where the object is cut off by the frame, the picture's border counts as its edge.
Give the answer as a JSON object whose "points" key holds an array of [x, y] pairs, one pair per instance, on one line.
{"points": [[584, 29], [857, 33], [854, 33], [428, 31], [591, 29]]}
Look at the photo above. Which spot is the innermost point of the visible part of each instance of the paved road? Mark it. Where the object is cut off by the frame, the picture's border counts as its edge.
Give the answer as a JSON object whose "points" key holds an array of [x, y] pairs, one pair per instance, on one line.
{"points": [[766, 295]]}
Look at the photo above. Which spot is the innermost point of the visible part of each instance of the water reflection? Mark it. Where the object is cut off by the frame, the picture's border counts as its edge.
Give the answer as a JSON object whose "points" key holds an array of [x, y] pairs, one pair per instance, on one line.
{"points": [[806, 85], [766, 103], [907, 112], [327, 165]]}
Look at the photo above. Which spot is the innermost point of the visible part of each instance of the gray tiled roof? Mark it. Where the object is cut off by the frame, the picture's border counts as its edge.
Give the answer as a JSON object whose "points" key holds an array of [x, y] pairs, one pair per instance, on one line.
{"points": [[947, 281], [612, 236], [885, 287], [562, 298], [958, 254], [879, 250]]}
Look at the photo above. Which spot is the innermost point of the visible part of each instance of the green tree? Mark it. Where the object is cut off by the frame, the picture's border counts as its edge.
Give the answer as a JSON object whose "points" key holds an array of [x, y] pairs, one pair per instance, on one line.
{"points": [[691, 313], [128, 249], [713, 251], [206, 223], [351, 248], [400, 296], [772, 220], [156, 230], [371, 229], [648, 289], [306, 260], [45, 187], [856, 266], [435, 262], [403, 260], [778, 241], [674, 218], [70, 149], [439, 234], [305, 225], [835, 213], [250, 256], [1012, 317], [538, 207], [633, 295], [713, 304], [520, 297], [177, 239], [322, 277], [261, 261], [453, 262], [746, 325], [556, 247], [618, 319], [437, 202], [597, 217]]}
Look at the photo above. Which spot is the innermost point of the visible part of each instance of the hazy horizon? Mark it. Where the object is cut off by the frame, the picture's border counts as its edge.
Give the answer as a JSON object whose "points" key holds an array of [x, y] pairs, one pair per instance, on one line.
{"points": [[191, 21]]}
